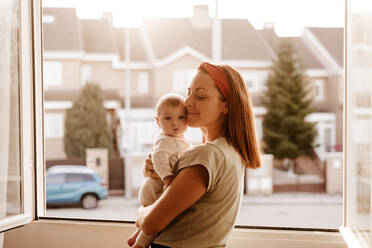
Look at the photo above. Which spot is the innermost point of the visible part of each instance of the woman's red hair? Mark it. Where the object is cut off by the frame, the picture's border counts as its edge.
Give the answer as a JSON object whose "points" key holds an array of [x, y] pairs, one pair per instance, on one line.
{"points": [[240, 128]]}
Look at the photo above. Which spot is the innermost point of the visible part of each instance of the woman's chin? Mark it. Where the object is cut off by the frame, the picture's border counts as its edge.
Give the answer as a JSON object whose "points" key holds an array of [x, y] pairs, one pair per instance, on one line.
{"points": [[192, 124]]}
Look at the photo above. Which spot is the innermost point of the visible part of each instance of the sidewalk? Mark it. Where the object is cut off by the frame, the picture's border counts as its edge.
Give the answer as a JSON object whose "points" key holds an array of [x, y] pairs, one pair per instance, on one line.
{"points": [[303, 210]]}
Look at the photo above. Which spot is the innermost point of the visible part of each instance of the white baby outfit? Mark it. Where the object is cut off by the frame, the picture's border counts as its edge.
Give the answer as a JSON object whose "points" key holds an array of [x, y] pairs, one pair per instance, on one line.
{"points": [[166, 152]]}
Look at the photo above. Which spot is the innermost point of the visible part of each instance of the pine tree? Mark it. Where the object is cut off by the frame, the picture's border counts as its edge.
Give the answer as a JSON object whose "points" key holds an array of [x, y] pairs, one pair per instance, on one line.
{"points": [[286, 134], [86, 124]]}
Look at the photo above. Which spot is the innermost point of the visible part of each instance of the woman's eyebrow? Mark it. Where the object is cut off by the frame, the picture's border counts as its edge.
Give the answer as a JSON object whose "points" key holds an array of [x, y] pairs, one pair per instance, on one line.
{"points": [[200, 89]]}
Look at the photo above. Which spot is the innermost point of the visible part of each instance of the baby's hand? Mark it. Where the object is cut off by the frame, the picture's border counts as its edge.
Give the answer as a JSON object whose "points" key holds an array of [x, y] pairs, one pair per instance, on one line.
{"points": [[148, 169], [168, 180]]}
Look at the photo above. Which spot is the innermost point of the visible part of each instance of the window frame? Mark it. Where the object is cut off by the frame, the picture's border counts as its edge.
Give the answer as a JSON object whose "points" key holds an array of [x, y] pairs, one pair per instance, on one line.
{"points": [[27, 135], [350, 235], [34, 202]]}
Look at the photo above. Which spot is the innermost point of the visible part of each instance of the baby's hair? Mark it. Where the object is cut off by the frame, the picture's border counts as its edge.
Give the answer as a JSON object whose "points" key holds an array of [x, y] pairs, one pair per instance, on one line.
{"points": [[170, 99]]}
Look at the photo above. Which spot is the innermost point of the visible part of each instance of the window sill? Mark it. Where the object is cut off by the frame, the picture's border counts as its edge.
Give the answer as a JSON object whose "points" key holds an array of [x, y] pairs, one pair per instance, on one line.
{"points": [[351, 238], [68, 233]]}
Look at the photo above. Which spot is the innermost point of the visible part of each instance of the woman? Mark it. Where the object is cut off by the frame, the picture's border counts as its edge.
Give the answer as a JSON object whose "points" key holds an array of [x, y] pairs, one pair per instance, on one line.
{"points": [[200, 207]]}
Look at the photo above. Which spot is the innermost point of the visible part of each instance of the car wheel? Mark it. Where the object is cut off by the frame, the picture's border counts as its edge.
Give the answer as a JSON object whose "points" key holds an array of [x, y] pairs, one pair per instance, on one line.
{"points": [[89, 201]]}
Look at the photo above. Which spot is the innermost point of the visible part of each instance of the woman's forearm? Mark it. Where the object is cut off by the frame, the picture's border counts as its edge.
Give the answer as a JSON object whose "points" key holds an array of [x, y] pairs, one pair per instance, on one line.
{"points": [[188, 186]]}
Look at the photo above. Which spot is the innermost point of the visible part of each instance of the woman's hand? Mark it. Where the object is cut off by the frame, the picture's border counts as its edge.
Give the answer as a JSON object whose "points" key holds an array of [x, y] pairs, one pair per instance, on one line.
{"points": [[148, 169]]}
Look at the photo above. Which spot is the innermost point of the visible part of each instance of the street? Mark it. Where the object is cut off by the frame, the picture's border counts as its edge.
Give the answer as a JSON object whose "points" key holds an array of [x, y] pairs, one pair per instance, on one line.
{"points": [[303, 210]]}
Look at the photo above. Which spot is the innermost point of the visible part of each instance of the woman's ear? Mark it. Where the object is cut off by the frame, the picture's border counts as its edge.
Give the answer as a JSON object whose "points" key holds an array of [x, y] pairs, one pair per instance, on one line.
{"points": [[225, 108]]}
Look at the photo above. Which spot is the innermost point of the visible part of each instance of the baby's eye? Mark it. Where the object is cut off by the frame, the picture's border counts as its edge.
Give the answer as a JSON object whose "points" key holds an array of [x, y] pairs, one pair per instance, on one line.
{"points": [[167, 118], [200, 97]]}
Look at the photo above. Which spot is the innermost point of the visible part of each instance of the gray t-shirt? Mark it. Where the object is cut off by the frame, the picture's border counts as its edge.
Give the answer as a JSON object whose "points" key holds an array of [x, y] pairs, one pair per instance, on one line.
{"points": [[210, 220]]}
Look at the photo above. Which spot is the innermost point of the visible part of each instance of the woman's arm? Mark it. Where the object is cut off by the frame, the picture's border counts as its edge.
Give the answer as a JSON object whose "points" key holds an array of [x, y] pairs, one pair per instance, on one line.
{"points": [[187, 187]]}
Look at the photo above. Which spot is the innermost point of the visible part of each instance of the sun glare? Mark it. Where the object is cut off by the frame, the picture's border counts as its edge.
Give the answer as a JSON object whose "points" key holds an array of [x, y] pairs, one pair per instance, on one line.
{"points": [[289, 16]]}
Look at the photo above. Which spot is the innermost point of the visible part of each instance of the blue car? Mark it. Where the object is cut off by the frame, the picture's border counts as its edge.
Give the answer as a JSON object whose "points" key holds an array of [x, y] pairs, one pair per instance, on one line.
{"points": [[71, 184]]}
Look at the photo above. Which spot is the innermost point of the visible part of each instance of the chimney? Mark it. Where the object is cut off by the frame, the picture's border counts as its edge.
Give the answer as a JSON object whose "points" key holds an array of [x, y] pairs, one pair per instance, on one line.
{"points": [[200, 18], [268, 25], [107, 16]]}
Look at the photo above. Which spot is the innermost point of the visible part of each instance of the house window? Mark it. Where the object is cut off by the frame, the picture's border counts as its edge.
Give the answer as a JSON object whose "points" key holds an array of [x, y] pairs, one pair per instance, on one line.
{"points": [[258, 122], [48, 19], [143, 83], [86, 74], [52, 73], [255, 80], [181, 79], [319, 89], [53, 125]]}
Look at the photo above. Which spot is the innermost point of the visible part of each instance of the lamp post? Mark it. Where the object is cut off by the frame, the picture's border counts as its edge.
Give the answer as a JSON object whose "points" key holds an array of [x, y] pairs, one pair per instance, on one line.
{"points": [[128, 148]]}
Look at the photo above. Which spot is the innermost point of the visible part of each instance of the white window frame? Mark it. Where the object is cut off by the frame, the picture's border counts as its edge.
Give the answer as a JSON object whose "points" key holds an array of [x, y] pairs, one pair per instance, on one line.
{"points": [[33, 129], [27, 134], [143, 83], [350, 235]]}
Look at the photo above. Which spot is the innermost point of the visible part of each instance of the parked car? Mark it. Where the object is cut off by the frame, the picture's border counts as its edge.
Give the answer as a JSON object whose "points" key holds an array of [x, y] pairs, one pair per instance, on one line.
{"points": [[72, 184]]}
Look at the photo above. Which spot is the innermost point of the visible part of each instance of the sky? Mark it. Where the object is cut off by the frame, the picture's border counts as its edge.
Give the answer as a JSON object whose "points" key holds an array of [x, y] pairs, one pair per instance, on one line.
{"points": [[289, 16]]}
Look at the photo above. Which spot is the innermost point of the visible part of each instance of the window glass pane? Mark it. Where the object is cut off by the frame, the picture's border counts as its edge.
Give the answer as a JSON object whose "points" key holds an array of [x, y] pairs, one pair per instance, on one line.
{"points": [[360, 137], [10, 169], [299, 192]]}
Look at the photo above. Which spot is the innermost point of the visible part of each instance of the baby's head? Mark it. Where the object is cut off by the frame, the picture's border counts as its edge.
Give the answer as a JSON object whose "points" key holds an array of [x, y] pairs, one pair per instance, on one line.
{"points": [[171, 114]]}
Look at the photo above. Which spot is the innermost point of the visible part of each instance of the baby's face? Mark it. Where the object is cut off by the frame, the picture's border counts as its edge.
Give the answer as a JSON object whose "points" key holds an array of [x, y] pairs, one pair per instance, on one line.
{"points": [[172, 120]]}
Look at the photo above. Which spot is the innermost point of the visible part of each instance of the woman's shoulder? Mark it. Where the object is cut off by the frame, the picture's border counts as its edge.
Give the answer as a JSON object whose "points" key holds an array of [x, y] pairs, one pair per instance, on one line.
{"points": [[208, 149]]}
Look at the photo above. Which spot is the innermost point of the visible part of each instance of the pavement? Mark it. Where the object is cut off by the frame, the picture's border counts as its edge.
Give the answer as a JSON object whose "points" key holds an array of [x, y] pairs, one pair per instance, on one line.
{"points": [[301, 210]]}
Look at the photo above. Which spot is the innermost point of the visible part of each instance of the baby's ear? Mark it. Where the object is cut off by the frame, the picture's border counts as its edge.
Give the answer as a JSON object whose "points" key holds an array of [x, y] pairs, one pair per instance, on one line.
{"points": [[157, 121]]}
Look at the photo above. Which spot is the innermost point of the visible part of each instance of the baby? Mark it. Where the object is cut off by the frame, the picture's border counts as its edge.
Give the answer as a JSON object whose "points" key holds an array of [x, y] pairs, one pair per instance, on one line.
{"points": [[167, 148]]}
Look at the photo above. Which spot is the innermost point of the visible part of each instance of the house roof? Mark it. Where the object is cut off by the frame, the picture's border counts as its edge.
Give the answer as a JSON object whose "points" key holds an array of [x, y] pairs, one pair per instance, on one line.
{"points": [[63, 33], [331, 39], [168, 35], [137, 44], [98, 36], [307, 57], [240, 41]]}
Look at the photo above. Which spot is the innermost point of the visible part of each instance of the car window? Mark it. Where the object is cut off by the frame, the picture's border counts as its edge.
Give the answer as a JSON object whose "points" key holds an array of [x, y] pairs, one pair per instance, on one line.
{"points": [[57, 178], [77, 177]]}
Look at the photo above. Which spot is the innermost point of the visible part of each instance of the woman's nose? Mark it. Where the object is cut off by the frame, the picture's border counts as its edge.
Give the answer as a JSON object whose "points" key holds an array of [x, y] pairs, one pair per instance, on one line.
{"points": [[188, 102]]}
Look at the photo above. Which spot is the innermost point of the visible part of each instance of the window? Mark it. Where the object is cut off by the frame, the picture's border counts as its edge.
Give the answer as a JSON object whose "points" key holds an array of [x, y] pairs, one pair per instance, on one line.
{"points": [[143, 83], [48, 18], [56, 179], [76, 177], [53, 125], [16, 115], [133, 130], [52, 73], [255, 80], [319, 89], [181, 79], [358, 211], [86, 74]]}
